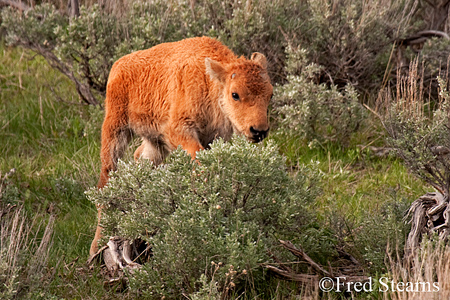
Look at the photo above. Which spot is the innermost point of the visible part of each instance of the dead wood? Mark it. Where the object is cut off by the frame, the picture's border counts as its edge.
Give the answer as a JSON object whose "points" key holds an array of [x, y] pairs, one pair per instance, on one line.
{"points": [[74, 8], [15, 4], [348, 256], [382, 152], [117, 256], [348, 273], [414, 42], [40, 257], [302, 255], [120, 254], [429, 214], [302, 278], [422, 36], [96, 256]]}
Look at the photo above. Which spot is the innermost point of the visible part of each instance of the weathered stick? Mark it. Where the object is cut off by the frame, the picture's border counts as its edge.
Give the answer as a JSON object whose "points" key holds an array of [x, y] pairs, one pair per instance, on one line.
{"points": [[303, 278], [429, 213], [302, 255], [18, 5]]}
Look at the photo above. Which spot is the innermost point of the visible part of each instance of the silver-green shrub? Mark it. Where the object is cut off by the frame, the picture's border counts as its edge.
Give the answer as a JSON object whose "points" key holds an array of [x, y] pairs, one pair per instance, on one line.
{"points": [[217, 216], [351, 40], [313, 112], [85, 47], [418, 132]]}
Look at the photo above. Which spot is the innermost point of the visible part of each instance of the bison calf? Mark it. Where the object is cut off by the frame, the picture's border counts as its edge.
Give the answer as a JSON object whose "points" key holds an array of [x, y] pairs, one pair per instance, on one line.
{"points": [[185, 93]]}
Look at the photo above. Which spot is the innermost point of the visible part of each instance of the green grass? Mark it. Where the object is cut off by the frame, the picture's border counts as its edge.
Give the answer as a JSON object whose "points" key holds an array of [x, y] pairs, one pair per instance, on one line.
{"points": [[42, 138], [354, 178], [45, 139], [363, 197]]}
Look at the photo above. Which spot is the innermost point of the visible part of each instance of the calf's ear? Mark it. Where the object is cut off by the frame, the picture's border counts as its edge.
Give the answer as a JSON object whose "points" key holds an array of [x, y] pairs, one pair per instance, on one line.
{"points": [[260, 59], [215, 69]]}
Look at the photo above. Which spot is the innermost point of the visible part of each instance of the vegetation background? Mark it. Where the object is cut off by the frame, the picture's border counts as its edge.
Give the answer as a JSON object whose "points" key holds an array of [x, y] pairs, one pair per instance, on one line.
{"points": [[343, 71]]}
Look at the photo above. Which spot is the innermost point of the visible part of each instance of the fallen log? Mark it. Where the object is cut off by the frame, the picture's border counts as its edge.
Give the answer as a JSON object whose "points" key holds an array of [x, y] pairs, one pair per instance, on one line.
{"points": [[285, 272], [118, 255], [427, 215]]}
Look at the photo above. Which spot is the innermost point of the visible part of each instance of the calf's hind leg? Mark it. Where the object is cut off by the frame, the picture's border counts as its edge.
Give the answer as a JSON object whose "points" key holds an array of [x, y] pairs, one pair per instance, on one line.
{"points": [[115, 138], [114, 143]]}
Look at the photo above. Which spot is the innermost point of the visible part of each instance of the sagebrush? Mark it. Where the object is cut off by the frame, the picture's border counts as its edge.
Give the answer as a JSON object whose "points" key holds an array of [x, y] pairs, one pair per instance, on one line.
{"points": [[312, 111], [351, 40], [218, 215]]}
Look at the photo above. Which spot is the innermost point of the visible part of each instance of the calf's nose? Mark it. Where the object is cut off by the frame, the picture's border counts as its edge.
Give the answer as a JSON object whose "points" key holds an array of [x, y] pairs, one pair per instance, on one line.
{"points": [[258, 135]]}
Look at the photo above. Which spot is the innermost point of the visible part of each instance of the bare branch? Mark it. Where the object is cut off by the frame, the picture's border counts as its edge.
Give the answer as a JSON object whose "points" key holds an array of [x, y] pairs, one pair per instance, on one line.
{"points": [[15, 4], [427, 214], [74, 8], [303, 278], [302, 255]]}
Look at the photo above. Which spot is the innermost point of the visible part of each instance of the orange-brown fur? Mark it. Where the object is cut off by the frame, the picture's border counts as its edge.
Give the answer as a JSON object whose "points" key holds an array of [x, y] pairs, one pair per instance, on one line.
{"points": [[181, 94]]}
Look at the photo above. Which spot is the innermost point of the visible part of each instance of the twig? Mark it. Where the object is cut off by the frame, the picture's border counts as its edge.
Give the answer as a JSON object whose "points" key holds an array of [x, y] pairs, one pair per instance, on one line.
{"points": [[100, 251], [301, 254], [347, 255], [18, 5], [304, 278], [311, 279]]}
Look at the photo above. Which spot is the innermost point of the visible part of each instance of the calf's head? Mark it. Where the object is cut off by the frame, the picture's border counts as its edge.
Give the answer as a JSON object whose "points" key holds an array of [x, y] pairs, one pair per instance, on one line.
{"points": [[245, 95]]}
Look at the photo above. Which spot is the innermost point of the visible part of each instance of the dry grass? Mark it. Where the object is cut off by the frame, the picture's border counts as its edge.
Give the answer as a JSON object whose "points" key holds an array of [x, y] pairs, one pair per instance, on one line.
{"points": [[408, 99], [428, 272], [24, 252], [414, 122]]}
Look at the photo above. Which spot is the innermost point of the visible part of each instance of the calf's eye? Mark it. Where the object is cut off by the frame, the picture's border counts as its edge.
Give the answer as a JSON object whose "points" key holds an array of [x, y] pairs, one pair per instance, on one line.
{"points": [[235, 96]]}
